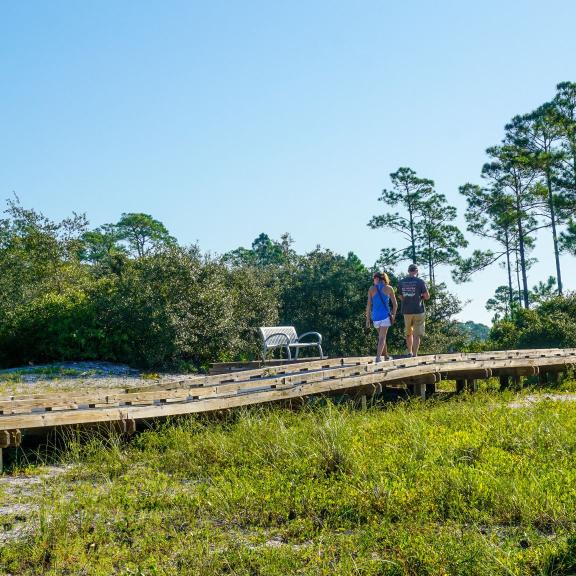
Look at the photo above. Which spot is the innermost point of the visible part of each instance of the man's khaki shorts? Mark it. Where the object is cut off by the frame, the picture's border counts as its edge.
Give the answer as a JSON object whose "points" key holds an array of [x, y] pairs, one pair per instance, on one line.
{"points": [[414, 324]]}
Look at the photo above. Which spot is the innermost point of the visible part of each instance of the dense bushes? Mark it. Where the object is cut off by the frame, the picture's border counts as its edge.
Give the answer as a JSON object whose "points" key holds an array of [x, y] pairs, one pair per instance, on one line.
{"points": [[128, 293], [161, 311], [551, 324], [168, 307]]}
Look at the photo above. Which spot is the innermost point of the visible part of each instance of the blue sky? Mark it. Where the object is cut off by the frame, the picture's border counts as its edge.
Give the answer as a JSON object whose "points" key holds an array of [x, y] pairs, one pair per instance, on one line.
{"points": [[227, 119]]}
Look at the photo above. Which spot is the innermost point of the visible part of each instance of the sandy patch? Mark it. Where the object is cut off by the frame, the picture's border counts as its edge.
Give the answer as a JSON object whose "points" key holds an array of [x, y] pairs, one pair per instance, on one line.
{"points": [[532, 399]]}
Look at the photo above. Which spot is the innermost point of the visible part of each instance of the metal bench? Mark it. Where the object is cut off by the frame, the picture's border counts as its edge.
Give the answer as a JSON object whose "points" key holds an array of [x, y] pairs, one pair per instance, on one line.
{"points": [[286, 337]]}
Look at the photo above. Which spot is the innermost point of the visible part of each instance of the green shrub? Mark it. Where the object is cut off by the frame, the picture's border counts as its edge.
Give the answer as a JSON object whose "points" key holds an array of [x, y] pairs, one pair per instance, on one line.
{"points": [[548, 325]]}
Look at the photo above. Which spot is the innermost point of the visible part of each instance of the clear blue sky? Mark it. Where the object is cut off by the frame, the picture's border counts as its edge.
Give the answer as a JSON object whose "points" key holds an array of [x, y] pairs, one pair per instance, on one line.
{"points": [[227, 119]]}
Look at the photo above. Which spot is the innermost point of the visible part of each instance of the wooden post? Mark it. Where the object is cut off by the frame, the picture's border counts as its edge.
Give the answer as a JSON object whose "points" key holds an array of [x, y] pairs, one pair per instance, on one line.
{"points": [[129, 426], [471, 385], [293, 404], [421, 385], [516, 380], [8, 439], [420, 389]]}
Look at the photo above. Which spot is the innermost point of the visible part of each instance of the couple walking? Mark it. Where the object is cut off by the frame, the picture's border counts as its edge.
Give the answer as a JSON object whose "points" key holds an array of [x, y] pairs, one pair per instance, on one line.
{"points": [[412, 292]]}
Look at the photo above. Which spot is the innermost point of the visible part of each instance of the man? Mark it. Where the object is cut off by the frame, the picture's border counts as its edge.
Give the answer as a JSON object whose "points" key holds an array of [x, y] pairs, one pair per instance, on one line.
{"points": [[412, 292]]}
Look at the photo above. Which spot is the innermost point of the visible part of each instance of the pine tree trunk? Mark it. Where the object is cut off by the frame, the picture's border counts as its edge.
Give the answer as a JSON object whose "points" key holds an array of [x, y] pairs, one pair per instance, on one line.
{"points": [[518, 276], [412, 236], [430, 265], [522, 260], [509, 268], [554, 233]]}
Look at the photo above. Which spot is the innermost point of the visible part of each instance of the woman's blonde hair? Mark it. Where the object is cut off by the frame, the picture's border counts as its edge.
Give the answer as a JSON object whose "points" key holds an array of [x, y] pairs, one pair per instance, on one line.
{"points": [[382, 276]]}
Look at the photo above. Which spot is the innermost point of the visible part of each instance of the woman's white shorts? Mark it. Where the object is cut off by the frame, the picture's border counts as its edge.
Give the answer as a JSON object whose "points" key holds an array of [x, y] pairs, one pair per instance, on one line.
{"points": [[382, 323]]}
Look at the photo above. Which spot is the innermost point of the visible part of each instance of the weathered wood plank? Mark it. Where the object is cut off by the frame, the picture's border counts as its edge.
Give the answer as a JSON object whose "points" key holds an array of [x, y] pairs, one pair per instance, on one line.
{"points": [[226, 367], [480, 373]]}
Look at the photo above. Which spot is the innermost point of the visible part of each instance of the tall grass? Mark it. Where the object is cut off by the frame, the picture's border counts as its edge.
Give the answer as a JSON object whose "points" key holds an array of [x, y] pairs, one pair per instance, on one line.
{"points": [[460, 487]]}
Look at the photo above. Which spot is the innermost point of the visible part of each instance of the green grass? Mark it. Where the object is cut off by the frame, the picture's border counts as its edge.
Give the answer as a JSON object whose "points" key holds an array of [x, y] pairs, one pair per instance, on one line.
{"points": [[467, 486]]}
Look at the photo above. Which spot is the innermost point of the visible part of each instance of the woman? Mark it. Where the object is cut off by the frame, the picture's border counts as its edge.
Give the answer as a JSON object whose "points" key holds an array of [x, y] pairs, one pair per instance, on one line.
{"points": [[378, 310]]}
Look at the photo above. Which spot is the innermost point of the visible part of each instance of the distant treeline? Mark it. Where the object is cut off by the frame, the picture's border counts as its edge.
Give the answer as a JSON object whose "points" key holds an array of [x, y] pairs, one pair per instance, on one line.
{"points": [[128, 292]]}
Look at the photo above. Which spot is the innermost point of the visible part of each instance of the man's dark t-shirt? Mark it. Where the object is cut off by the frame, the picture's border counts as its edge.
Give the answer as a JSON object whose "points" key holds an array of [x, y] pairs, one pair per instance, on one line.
{"points": [[411, 288]]}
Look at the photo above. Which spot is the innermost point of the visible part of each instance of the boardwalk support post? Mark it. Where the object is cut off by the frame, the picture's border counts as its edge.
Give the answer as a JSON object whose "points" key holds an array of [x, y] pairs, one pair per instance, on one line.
{"points": [[124, 427], [471, 385], [420, 389], [8, 439]]}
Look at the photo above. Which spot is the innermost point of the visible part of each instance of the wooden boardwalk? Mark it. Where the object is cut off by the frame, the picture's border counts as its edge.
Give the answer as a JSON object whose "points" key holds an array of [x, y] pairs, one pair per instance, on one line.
{"points": [[358, 376]]}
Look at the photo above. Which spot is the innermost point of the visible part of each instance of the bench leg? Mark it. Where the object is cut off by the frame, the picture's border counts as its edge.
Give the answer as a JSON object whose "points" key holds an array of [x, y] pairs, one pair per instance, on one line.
{"points": [[320, 350]]}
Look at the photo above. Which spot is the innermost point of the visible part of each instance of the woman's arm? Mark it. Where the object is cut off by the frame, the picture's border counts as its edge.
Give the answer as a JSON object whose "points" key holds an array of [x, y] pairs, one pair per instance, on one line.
{"points": [[392, 296], [368, 308]]}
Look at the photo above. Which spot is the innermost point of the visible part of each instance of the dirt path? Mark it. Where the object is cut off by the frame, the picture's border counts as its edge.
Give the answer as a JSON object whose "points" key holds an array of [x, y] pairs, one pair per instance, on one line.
{"points": [[532, 399], [75, 376], [19, 496]]}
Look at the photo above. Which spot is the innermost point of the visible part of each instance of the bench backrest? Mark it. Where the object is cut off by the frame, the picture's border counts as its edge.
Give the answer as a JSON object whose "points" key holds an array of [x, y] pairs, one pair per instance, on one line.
{"points": [[290, 332]]}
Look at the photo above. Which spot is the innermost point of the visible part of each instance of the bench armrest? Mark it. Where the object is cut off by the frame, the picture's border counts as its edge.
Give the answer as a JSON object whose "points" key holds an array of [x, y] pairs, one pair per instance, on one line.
{"points": [[278, 334], [317, 334]]}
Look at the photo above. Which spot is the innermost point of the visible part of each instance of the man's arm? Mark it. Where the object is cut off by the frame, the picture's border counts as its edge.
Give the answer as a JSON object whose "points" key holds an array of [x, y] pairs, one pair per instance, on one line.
{"points": [[425, 293]]}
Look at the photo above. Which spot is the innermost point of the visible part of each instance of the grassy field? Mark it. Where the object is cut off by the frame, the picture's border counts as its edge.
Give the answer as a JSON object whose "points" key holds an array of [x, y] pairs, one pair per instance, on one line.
{"points": [[461, 486]]}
